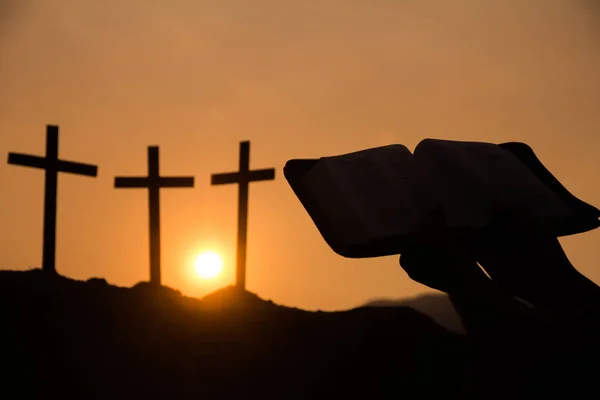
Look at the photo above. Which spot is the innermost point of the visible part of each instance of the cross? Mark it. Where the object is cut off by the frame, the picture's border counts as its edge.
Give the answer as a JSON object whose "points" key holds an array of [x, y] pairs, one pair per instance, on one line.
{"points": [[243, 177], [154, 182], [51, 166]]}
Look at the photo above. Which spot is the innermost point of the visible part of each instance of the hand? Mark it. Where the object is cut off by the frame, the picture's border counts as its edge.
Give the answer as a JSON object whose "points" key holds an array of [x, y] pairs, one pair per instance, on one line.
{"points": [[532, 265], [442, 268], [436, 261], [523, 259]]}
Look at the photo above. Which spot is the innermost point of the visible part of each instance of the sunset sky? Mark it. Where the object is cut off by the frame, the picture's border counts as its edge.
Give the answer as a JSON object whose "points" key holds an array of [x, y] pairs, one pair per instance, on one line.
{"points": [[299, 79]]}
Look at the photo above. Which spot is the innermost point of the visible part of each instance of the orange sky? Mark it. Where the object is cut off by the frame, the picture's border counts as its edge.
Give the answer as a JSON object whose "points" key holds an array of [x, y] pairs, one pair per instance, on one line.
{"points": [[299, 79]]}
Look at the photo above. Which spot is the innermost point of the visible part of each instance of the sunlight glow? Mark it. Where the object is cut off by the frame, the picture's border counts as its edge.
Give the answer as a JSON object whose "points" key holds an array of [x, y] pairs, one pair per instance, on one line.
{"points": [[208, 265]]}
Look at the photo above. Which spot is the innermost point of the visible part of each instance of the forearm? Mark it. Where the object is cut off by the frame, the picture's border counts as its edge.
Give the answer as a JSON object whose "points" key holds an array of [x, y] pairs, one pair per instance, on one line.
{"points": [[514, 342]]}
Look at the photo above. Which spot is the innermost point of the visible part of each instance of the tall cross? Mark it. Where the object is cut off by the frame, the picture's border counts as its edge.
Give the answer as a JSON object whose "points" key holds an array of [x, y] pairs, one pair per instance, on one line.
{"points": [[154, 182], [51, 165], [243, 177]]}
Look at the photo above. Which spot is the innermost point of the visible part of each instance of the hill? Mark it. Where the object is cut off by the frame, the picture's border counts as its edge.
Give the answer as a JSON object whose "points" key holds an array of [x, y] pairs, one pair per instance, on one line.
{"points": [[63, 338], [437, 306]]}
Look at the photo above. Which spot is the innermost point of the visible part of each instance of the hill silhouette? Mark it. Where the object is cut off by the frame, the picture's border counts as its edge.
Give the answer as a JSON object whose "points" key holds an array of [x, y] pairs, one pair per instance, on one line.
{"points": [[88, 339], [437, 306]]}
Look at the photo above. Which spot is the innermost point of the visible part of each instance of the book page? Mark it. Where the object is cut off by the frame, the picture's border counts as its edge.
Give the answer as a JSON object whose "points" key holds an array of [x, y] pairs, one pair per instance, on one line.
{"points": [[479, 182], [379, 185]]}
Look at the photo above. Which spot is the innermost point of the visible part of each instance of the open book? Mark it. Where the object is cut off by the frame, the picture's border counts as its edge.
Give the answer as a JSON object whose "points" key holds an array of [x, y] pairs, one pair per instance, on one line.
{"points": [[369, 203]]}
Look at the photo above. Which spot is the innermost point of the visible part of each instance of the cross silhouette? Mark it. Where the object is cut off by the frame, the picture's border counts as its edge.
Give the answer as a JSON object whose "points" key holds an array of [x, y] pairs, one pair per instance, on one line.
{"points": [[243, 177], [154, 182], [51, 165]]}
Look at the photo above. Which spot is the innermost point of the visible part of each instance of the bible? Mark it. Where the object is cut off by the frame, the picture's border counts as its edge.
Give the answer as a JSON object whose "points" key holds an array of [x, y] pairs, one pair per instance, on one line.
{"points": [[371, 202]]}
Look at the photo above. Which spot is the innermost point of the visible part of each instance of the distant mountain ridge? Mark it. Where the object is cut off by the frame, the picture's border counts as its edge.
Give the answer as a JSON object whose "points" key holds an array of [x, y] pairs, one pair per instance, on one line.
{"points": [[437, 306], [74, 339]]}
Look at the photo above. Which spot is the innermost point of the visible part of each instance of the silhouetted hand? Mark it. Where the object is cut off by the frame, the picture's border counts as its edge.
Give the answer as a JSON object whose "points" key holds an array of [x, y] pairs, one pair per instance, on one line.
{"points": [[519, 353], [525, 255], [437, 261], [442, 267], [531, 264]]}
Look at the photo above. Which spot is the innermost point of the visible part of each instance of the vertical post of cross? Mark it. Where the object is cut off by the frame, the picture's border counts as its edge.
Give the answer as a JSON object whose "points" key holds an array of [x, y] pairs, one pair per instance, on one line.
{"points": [[242, 230], [50, 199], [154, 213]]}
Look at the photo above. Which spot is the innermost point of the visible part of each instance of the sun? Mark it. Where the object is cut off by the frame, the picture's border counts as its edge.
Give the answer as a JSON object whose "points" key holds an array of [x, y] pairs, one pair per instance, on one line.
{"points": [[208, 265]]}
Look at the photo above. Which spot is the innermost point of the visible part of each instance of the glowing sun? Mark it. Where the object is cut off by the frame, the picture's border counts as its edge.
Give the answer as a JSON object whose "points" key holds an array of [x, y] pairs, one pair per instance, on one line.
{"points": [[208, 265]]}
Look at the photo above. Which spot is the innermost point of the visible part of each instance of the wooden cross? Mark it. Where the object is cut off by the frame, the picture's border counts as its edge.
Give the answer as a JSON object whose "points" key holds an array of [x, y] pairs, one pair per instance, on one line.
{"points": [[243, 177], [154, 182], [52, 166]]}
